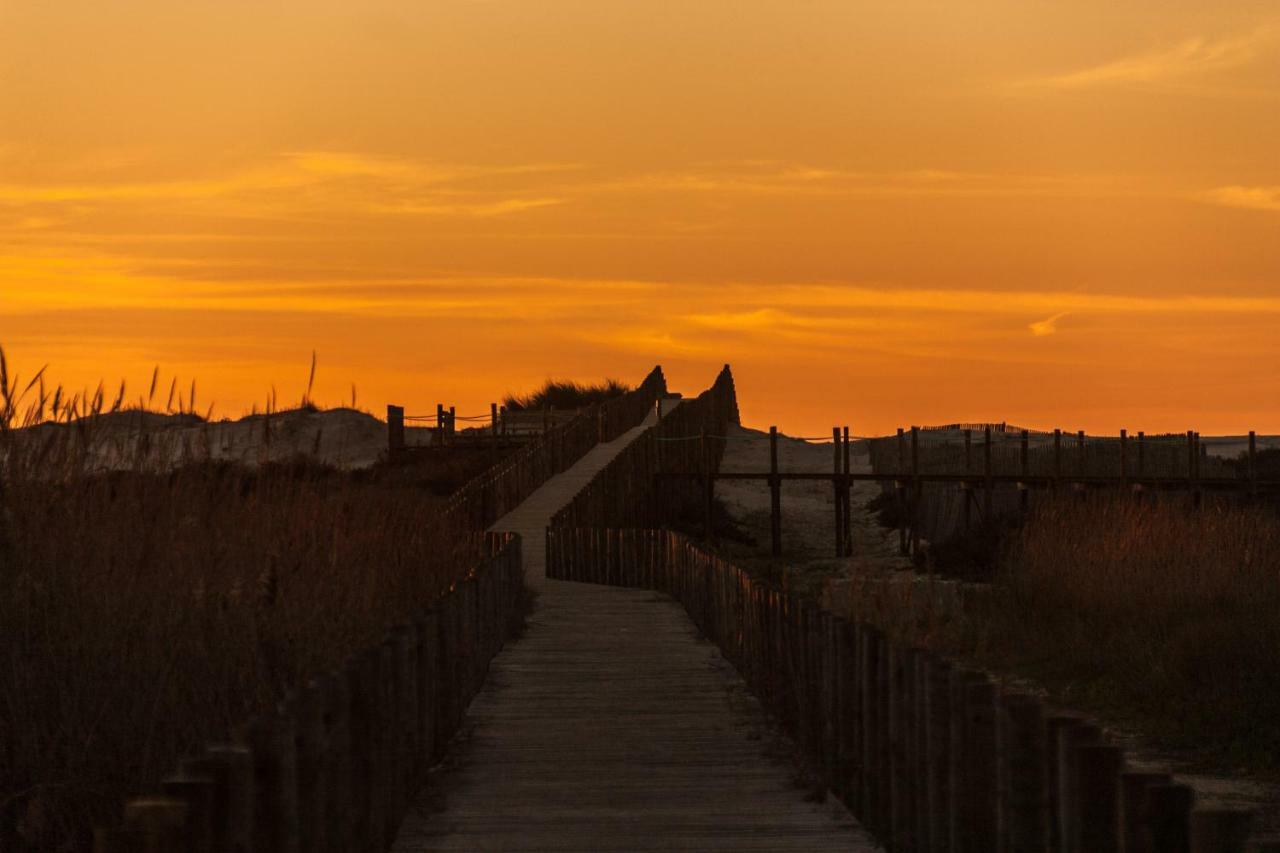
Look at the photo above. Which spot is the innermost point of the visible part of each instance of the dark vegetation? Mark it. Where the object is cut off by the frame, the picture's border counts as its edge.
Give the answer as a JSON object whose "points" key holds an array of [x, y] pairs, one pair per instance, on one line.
{"points": [[565, 394], [149, 610], [1152, 613]]}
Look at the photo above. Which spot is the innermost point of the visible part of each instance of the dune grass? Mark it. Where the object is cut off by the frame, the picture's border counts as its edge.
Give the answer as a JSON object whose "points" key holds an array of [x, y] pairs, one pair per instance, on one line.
{"points": [[1151, 613], [566, 394], [146, 612]]}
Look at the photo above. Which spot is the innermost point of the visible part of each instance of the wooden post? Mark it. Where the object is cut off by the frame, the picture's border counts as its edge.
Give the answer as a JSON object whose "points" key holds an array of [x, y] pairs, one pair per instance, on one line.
{"points": [[838, 492], [1054, 724], [1024, 462], [231, 770], [395, 430], [1220, 830], [1167, 812], [1253, 465], [775, 496], [1070, 738], [847, 497], [158, 823], [493, 417], [1023, 774], [1083, 461], [899, 489], [546, 419], [439, 434], [1142, 461], [1191, 468], [966, 486], [709, 490], [273, 740], [1098, 797], [453, 420], [196, 792], [988, 483], [1133, 788], [1057, 459], [1124, 459], [916, 490], [311, 745]]}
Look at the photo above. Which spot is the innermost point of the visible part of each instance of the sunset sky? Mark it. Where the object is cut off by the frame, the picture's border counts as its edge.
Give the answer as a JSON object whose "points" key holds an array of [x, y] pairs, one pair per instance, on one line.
{"points": [[1053, 213]]}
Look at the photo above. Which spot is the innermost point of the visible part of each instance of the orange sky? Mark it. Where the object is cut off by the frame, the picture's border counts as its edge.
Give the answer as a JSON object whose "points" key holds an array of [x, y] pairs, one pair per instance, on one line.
{"points": [[1059, 214]]}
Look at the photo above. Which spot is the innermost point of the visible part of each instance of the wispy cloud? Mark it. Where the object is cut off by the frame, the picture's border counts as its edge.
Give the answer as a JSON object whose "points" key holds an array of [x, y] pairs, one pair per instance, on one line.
{"points": [[1252, 198], [1047, 326], [1191, 58]]}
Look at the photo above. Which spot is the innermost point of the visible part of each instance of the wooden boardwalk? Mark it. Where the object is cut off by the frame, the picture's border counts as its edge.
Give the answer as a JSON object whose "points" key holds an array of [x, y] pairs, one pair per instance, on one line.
{"points": [[612, 725]]}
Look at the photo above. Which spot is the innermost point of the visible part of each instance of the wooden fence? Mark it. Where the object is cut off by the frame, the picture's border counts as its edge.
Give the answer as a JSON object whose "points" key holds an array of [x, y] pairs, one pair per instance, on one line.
{"points": [[334, 769], [928, 755], [987, 479], [493, 494]]}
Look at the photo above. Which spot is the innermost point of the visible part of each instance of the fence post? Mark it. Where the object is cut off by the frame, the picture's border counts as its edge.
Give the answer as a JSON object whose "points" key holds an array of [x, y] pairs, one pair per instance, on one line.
{"points": [[709, 490], [308, 709], [1220, 830], [1023, 772], [988, 483], [335, 694], [1082, 462], [837, 501], [1098, 771], [1024, 464], [775, 496], [1124, 459], [1133, 788], [1057, 459], [1070, 737], [395, 430], [900, 492], [158, 823], [1253, 465], [1167, 813], [1139, 487], [196, 792], [230, 769], [846, 497], [1191, 468], [917, 490], [273, 741], [965, 486]]}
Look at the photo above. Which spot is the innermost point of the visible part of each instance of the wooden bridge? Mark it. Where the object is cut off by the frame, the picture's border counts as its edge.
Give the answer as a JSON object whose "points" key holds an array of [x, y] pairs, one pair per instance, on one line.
{"points": [[613, 725]]}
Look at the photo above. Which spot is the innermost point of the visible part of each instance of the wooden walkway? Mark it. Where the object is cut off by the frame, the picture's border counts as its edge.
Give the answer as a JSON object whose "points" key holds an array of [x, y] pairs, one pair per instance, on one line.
{"points": [[612, 725]]}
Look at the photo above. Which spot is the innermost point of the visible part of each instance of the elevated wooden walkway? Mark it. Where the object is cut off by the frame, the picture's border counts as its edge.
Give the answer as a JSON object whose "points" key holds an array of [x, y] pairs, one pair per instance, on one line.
{"points": [[612, 725]]}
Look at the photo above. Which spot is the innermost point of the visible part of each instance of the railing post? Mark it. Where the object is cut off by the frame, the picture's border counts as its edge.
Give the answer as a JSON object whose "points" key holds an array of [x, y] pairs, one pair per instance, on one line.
{"points": [[1253, 465], [1023, 774], [900, 493], [1220, 830], [917, 491], [846, 497], [395, 431], [1098, 771], [988, 483], [708, 490], [775, 496], [196, 792], [1070, 738], [1167, 812], [273, 741], [230, 769], [1133, 790], [838, 493]]}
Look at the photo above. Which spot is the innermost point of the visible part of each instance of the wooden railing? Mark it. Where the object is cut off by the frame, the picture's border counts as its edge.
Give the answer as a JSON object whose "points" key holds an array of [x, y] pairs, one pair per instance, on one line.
{"points": [[928, 755], [496, 492], [334, 767]]}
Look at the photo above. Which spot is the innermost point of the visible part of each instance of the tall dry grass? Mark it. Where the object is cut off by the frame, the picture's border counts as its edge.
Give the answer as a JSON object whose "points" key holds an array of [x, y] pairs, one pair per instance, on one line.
{"points": [[1153, 612], [144, 613]]}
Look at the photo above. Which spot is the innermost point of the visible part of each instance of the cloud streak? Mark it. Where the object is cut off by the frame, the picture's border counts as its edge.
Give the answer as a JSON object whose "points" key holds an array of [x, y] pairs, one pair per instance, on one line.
{"points": [[1250, 198], [1193, 57]]}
